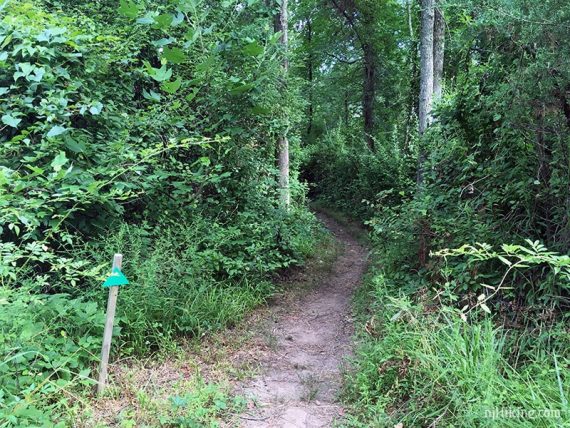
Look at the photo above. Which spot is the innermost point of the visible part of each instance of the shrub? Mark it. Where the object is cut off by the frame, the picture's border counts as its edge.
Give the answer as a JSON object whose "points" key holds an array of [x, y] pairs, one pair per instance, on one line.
{"points": [[48, 345]]}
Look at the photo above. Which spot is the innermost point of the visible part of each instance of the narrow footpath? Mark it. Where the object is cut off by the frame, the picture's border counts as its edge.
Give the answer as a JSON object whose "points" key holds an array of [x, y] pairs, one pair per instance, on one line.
{"points": [[301, 373]]}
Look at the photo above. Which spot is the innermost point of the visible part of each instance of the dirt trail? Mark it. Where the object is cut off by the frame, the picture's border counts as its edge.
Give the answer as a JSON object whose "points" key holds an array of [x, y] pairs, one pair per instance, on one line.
{"points": [[300, 374]]}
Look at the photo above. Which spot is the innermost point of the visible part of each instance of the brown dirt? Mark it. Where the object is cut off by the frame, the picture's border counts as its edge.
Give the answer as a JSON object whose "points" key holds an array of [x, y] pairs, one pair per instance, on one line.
{"points": [[307, 341]]}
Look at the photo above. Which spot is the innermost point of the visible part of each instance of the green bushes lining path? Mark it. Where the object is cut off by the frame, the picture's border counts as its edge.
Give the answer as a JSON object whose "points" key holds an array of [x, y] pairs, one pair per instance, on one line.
{"points": [[183, 281], [147, 129]]}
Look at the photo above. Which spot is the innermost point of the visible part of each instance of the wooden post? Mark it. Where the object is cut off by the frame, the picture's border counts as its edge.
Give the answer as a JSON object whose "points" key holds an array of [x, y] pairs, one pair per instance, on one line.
{"points": [[108, 334]]}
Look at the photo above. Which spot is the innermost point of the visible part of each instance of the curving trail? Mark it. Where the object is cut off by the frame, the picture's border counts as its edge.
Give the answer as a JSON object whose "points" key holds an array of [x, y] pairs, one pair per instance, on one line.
{"points": [[301, 372]]}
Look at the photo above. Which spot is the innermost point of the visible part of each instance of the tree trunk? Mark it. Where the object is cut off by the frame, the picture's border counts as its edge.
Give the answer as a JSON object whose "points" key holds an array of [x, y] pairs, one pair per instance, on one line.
{"points": [[369, 93], [438, 53], [281, 25], [310, 78], [346, 108], [425, 107], [412, 106], [369, 67], [426, 79]]}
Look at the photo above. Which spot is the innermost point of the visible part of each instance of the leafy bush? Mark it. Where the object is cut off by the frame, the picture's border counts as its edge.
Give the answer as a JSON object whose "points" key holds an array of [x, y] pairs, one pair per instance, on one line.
{"points": [[522, 265], [48, 345], [148, 129], [350, 177], [199, 276]]}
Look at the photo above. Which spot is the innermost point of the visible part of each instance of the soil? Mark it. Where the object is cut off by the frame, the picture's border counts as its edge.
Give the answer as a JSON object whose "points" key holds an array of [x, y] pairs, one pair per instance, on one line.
{"points": [[307, 341]]}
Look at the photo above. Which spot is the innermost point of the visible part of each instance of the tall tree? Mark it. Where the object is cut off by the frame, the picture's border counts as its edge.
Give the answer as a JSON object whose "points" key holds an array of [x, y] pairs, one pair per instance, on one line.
{"points": [[282, 26], [426, 77], [438, 52], [413, 65], [310, 75], [347, 9]]}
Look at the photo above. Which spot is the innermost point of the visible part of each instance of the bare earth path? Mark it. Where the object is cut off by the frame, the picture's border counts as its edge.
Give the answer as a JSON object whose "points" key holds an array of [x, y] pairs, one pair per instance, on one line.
{"points": [[300, 375]]}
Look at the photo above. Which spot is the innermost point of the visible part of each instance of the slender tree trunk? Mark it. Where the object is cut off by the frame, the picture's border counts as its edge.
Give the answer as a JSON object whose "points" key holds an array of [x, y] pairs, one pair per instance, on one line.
{"points": [[369, 66], [413, 78], [281, 25], [426, 79], [310, 66], [346, 108], [369, 93], [544, 202], [425, 108], [438, 53]]}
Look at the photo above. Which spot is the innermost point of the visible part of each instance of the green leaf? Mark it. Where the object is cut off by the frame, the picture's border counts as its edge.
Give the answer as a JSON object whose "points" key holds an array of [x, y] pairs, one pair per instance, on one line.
{"points": [[171, 87], [59, 161], [259, 110], [190, 97], [240, 89], [504, 260], [96, 108], [55, 131], [161, 74], [75, 146], [10, 120], [151, 96], [128, 8], [163, 21], [174, 55], [253, 49]]}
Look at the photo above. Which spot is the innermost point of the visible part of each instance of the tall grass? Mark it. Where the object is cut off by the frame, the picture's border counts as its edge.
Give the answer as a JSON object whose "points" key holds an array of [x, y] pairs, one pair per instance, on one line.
{"points": [[421, 365]]}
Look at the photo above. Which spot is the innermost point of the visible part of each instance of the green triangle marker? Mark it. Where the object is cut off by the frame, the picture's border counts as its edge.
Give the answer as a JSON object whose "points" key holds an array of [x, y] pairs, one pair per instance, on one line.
{"points": [[116, 279]]}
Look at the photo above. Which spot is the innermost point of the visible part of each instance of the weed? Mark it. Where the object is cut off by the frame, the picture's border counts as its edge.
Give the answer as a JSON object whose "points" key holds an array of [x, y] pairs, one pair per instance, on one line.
{"points": [[311, 387]]}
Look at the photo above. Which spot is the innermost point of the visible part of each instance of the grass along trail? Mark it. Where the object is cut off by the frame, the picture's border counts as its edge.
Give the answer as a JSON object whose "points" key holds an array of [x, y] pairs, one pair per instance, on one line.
{"points": [[300, 372]]}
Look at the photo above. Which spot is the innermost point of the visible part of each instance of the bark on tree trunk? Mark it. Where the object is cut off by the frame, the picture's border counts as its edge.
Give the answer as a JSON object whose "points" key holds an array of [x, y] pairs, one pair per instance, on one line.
{"points": [[310, 78], [412, 106], [425, 108], [438, 53], [426, 64], [281, 25], [426, 79], [369, 93]]}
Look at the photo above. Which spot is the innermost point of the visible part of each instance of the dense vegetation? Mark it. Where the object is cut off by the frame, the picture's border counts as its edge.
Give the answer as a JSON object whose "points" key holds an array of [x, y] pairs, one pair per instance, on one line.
{"points": [[143, 130], [465, 312], [157, 129]]}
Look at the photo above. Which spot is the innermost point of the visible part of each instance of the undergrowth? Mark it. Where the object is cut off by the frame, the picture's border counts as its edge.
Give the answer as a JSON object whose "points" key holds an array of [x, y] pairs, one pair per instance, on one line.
{"points": [[186, 281], [422, 362]]}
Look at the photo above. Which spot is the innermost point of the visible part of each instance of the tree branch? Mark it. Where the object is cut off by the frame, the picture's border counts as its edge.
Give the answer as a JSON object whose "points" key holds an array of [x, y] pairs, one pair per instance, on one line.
{"points": [[349, 19], [344, 61]]}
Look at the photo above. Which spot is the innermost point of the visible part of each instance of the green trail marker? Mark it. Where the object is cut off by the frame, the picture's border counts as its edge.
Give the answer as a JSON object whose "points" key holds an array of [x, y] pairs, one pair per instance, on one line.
{"points": [[113, 282], [116, 279]]}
